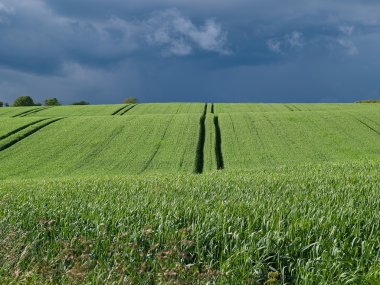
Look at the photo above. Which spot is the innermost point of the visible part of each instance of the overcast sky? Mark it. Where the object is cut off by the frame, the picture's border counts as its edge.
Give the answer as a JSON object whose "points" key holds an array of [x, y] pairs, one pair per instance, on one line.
{"points": [[190, 50]]}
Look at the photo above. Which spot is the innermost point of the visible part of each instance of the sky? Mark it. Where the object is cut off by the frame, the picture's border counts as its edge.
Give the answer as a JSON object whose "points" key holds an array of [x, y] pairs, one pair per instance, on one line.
{"points": [[103, 51]]}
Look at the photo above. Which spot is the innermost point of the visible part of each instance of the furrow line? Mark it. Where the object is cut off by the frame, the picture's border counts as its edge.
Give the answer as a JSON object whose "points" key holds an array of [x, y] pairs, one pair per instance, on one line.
{"points": [[218, 145], [119, 110], [199, 158], [368, 126], [127, 109], [295, 107], [289, 108], [27, 134], [29, 112], [20, 129], [158, 147]]}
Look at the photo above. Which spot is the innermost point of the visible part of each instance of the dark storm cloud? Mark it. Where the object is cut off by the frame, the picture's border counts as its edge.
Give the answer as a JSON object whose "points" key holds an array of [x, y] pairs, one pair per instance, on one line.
{"points": [[199, 50]]}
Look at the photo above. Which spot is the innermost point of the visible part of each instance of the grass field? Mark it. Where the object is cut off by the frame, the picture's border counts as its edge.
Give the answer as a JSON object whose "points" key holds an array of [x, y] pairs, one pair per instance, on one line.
{"points": [[182, 193]]}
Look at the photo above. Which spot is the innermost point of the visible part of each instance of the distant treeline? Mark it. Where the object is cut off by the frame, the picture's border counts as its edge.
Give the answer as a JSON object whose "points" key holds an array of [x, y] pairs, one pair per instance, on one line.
{"points": [[28, 101], [368, 101]]}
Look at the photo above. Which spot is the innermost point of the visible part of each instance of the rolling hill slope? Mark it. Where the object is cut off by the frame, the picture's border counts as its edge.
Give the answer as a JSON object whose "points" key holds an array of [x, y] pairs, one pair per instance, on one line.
{"points": [[109, 194], [132, 139]]}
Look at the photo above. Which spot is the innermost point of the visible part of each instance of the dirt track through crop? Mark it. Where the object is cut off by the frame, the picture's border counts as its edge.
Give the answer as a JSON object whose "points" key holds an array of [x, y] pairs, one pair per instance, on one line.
{"points": [[20, 129], [201, 143], [27, 134], [119, 110], [218, 144], [29, 112], [126, 110]]}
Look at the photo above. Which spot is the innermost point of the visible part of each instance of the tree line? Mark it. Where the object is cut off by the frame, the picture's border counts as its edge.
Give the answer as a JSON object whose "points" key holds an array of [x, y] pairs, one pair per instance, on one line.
{"points": [[28, 101]]}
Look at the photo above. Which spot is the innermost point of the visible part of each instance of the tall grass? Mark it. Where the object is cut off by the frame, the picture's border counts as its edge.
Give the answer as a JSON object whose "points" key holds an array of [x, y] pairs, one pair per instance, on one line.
{"points": [[306, 225]]}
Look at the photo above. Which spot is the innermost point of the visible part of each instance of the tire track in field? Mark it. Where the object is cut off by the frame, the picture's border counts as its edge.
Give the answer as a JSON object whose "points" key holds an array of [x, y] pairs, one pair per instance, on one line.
{"points": [[27, 134], [295, 107], [368, 126], [188, 121], [315, 146], [369, 119], [119, 110], [218, 145], [29, 112], [199, 158], [235, 144], [130, 107], [289, 108], [351, 138], [159, 145], [342, 130], [259, 138], [98, 149], [21, 128]]}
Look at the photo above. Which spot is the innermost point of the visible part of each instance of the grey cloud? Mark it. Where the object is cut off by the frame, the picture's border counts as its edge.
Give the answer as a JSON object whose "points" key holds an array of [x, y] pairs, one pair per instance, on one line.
{"points": [[274, 45], [104, 50], [348, 45], [345, 40], [347, 30], [5, 11], [336, 40], [38, 41], [291, 41], [295, 39], [178, 35]]}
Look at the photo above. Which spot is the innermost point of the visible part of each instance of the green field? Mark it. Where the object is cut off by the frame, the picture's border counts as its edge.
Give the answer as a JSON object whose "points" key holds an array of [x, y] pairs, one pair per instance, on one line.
{"points": [[105, 145], [178, 193], [276, 138], [78, 110]]}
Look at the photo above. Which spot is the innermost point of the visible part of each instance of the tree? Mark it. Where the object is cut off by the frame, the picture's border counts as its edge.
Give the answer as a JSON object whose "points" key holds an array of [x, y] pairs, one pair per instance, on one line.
{"points": [[1, 104], [23, 101], [81, 103], [52, 102], [130, 100]]}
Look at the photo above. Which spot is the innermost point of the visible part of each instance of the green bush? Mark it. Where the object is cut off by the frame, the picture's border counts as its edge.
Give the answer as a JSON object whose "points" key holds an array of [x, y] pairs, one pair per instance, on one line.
{"points": [[130, 100], [52, 102], [81, 103], [368, 101], [23, 101]]}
